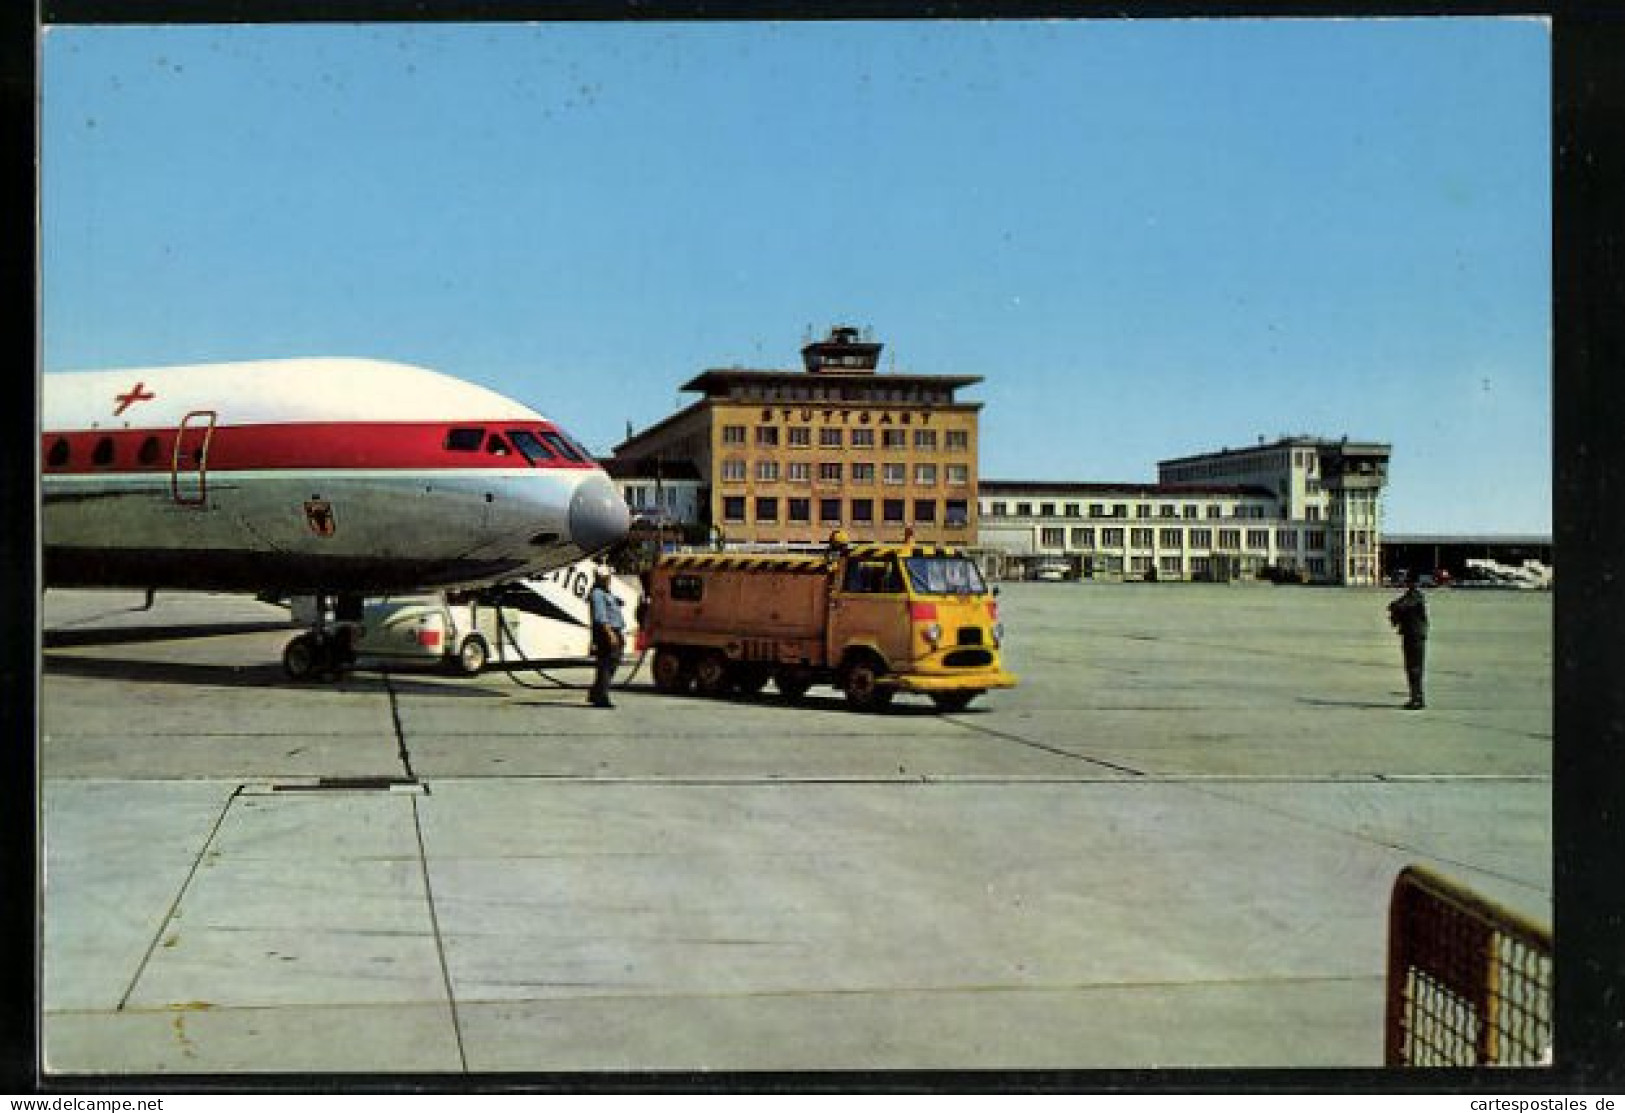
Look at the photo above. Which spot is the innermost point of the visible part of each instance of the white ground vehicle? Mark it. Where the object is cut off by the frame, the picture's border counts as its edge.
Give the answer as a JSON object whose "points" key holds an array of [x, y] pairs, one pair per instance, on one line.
{"points": [[532, 620]]}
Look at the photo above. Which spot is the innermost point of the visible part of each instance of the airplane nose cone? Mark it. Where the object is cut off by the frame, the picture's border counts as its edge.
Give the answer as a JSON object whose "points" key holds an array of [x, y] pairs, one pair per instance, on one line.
{"points": [[598, 515]]}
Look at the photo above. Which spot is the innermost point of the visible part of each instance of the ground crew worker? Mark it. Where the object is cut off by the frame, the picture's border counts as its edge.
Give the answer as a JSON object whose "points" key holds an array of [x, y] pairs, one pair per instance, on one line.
{"points": [[608, 637], [1409, 617]]}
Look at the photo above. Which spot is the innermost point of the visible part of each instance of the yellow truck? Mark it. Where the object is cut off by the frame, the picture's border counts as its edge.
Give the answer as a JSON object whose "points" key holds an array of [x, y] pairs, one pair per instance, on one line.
{"points": [[873, 620]]}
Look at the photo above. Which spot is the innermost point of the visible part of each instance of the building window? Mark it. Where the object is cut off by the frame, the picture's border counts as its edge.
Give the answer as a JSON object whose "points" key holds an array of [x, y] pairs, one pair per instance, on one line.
{"points": [[767, 509], [733, 508], [1046, 510], [799, 472], [1120, 510], [733, 471], [996, 510], [1201, 539], [863, 473], [1316, 539], [1083, 537], [925, 475], [1311, 513], [925, 510], [958, 512], [1142, 510], [1171, 567], [1215, 511], [1024, 510], [829, 510], [1141, 538], [863, 511], [767, 471], [829, 438], [1230, 539], [894, 439], [1052, 537], [1258, 539], [863, 438], [733, 434], [1167, 510], [925, 439], [799, 436], [1096, 510], [956, 439], [895, 474], [1190, 510], [800, 510], [1112, 538], [829, 473], [1074, 510], [1140, 565], [1171, 538], [1286, 539], [767, 436], [958, 475], [893, 510]]}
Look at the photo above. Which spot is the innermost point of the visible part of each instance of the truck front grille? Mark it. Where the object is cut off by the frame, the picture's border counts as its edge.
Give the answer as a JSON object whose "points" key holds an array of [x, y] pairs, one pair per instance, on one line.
{"points": [[968, 659]]}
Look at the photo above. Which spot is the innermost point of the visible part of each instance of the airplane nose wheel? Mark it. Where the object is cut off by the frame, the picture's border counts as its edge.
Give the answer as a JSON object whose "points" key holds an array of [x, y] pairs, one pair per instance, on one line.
{"points": [[320, 653]]}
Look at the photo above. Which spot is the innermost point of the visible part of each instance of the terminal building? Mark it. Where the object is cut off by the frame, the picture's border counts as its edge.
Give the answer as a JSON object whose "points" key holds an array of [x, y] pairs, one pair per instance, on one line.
{"points": [[789, 456], [786, 457], [1299, 508]]}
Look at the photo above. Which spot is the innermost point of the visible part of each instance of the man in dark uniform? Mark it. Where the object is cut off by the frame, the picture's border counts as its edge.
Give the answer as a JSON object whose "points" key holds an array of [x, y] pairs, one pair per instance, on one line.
{"points": [[1409, 616]]}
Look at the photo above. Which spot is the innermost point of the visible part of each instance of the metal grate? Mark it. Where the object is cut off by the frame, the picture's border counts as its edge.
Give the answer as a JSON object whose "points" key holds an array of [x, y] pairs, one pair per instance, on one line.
{"points": [[1469, 982]]}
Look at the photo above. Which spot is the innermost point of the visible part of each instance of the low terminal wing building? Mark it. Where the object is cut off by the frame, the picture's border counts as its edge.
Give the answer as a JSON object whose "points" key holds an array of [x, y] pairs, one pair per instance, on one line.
{"points": [[1299, 508]]}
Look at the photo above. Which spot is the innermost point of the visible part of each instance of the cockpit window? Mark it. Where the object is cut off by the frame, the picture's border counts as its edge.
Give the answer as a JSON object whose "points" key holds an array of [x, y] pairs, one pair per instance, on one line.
{"points": [[59, 453], [464, 440], [944, 576], [496, 446], [565, 448], [534, 450]]}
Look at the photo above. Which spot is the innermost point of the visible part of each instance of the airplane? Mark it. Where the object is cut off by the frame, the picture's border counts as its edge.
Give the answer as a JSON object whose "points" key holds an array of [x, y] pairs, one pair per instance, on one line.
{"points": [[333, 477]]}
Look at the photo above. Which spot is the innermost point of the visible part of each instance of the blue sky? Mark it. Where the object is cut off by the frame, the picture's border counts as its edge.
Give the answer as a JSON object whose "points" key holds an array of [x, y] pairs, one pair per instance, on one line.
{"points": [[1152, 238]]}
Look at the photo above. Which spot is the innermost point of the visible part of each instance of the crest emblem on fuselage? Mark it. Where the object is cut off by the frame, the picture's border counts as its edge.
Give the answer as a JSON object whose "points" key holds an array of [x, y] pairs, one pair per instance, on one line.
{"points": [[319, 516]]}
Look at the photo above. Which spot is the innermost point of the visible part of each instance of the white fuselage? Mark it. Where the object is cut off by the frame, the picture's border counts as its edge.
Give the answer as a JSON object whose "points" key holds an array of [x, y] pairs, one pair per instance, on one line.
{"points": [[312, 475]]}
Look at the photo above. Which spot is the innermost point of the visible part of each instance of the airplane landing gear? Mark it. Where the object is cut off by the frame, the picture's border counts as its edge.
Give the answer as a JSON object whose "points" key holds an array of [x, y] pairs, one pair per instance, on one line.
{"points": [[327, 651]]}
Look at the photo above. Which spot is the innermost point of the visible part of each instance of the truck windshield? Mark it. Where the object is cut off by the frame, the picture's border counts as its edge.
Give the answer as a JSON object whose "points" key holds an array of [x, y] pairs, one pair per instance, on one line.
{"points": [[944, 576]]}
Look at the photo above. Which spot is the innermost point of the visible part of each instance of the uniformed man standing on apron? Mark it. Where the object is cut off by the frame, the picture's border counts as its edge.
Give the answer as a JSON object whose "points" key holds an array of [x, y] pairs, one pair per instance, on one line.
{"points": [[1409, 616]]}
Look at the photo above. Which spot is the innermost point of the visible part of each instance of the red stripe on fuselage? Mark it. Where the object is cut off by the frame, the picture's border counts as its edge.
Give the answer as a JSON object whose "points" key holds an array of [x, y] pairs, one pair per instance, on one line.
{"points": [[317, 445]]}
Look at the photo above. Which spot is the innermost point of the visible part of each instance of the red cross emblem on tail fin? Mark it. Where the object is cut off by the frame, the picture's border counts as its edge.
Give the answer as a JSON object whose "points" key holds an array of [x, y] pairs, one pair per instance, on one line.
{"points": [[137, 393]]}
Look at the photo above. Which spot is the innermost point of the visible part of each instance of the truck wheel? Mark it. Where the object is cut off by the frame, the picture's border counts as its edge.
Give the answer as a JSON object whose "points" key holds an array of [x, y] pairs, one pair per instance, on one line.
{"points": [[862, 686], [792, 683], [472, 656], [954, 701], [711, 674], [670, 671]]}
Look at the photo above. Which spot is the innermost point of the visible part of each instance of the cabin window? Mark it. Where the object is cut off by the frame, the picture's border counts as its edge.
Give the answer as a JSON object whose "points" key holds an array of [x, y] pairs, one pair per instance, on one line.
{"points": [[873, 576], [534, 450], [496, 446], [564, 447], [149, 451], [464, 440], [59, 453], [103, 453]]}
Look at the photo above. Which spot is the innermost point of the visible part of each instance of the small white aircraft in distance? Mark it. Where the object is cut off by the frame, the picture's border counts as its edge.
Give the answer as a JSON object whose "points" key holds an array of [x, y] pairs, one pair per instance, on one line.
{"points": [[339, 478]]}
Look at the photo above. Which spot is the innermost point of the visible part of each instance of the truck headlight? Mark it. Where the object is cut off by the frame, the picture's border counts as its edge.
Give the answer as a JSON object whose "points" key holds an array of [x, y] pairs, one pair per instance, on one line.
{"points": [[998, 634], [933, 634]]}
